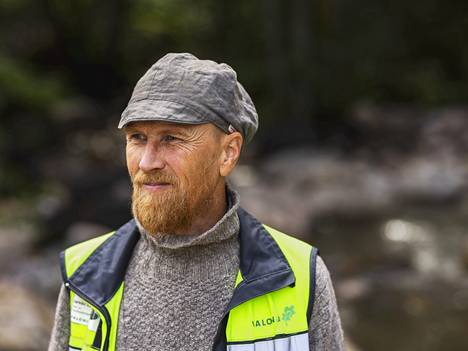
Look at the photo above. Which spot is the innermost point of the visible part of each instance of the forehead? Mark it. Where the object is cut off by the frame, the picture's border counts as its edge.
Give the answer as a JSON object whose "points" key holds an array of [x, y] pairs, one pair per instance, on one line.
{"points": [[159, 126]]}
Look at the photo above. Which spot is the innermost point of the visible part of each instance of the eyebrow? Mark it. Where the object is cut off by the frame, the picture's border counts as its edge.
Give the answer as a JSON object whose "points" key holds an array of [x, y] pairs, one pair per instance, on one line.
{"points": [[186, 130], [129, 128], [175, 129]]}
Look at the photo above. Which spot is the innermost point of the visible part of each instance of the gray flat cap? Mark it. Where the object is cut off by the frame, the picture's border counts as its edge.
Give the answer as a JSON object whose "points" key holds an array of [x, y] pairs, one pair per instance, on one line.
{"points": [[181, 88]]}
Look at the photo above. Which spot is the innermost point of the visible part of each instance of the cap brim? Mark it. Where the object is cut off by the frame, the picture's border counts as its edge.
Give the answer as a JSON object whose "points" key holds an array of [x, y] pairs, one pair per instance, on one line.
{"points": [[160, 110]]}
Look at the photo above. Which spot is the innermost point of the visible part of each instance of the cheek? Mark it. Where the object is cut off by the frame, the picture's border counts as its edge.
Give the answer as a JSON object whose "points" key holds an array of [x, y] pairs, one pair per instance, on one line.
{"points": [[206, 165], [133, 159], [188, 167], [178, 165]]}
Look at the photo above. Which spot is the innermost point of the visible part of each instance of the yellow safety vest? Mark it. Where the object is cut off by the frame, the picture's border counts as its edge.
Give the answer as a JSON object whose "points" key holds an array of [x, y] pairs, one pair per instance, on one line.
{"points": [[270, 308]]}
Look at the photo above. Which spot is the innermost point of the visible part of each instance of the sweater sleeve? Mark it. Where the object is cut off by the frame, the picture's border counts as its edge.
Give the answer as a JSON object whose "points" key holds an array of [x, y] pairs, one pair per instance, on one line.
{"points": [[61, 330], [325, 332]]}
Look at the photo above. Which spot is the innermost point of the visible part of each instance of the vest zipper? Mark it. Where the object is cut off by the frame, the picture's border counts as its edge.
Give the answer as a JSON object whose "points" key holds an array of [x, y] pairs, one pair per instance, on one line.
{"points": [[103, 311], [222, 325]]}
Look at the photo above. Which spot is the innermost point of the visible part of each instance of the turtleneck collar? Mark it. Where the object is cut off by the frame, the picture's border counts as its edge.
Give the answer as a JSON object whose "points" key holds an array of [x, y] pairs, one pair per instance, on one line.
{"points": [[225, 228]]}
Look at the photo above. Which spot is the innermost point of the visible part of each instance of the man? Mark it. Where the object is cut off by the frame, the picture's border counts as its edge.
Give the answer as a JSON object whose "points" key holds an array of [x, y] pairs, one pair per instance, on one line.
{"points": [[192, 270]]}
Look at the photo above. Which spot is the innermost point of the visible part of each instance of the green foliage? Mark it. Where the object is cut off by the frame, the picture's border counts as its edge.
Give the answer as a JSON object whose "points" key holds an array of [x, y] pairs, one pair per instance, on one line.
{"points": [[300, 61], [151, 18], [27, 88]]}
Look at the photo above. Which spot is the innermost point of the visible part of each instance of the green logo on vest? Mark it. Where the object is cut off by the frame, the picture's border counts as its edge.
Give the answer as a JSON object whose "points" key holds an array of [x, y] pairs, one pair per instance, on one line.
{"points": [[288, 313]]}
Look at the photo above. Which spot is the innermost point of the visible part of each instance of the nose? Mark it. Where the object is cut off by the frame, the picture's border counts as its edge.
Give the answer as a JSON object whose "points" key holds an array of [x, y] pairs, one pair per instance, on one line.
{"points": [[151, 159]]}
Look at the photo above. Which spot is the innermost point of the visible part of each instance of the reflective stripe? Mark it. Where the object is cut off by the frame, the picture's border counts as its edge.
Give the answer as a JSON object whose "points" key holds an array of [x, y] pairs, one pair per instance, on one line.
{"points": [[70, 348], [299, 342]]}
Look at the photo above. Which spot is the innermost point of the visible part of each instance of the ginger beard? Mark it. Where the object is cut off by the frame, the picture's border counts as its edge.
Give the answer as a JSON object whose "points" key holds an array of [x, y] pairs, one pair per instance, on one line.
{"points": [[171, 210]]}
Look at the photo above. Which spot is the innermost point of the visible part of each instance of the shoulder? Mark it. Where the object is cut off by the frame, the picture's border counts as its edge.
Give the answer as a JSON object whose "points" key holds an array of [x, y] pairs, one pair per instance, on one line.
{"points": [[324, 285], [90, 244], [325, 331], [74, 256], [300, 255]]}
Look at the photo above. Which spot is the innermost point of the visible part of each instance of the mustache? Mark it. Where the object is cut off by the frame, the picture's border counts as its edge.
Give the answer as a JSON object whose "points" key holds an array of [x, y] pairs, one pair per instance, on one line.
{"points": [[142, 178]]}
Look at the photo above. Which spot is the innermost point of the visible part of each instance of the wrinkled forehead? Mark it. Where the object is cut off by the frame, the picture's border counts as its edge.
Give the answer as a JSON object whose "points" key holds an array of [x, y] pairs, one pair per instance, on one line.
{"points": [[156, 125], [188, 129]]}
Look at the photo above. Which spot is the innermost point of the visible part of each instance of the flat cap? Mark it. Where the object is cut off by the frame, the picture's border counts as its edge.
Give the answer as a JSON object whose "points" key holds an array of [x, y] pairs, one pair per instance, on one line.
{"points": [[181, 88]]}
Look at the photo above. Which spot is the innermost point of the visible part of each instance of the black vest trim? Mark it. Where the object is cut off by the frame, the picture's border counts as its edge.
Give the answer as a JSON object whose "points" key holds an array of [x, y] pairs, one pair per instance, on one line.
{"points": [[263, 266], [101, 275], [262, 263], [313, 274]]}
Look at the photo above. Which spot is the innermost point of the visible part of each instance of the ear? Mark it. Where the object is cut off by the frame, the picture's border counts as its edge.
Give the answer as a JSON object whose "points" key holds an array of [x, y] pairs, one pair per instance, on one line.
{"points": [[231, 149]]}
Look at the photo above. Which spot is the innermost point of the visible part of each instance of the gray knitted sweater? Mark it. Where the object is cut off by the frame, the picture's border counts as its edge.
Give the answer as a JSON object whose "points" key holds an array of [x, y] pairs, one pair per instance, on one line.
{"points": [[177, 288]]}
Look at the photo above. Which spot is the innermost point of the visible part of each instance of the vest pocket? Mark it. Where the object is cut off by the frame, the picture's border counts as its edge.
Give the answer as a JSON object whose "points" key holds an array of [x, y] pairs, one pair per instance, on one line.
{"points": [[85, 326]]}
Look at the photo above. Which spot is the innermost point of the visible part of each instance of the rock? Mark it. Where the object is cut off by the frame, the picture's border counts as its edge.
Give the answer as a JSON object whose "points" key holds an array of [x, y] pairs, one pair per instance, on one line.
{"points": [[446, 133], [39, 272], [353, 288], [430, 179], [15, 242], [391, 117], [293, 187], [25, 319], [465, 254], [387, 128]]}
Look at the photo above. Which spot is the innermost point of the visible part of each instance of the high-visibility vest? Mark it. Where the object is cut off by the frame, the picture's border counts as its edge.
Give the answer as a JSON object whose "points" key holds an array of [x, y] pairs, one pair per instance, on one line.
{"points": [[270, 308]]}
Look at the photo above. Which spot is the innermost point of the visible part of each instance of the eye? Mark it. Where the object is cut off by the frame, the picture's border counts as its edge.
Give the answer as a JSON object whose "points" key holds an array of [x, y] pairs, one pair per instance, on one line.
{"points": [[169, 138], [137, 137]]}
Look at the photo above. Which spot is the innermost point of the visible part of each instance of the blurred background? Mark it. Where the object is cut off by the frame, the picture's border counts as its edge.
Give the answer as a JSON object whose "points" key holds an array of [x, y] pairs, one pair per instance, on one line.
{"points": [[361, 150]]}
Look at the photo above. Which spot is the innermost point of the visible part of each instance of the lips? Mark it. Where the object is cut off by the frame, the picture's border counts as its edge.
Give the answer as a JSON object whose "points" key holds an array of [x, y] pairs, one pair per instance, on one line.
{"points": [[156, 186]]}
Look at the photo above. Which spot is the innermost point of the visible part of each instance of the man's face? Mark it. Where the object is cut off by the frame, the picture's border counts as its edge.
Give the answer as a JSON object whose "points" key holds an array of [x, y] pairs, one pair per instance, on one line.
{"points": [[175, 169]]}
